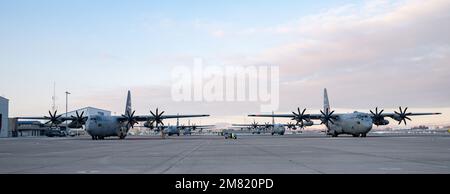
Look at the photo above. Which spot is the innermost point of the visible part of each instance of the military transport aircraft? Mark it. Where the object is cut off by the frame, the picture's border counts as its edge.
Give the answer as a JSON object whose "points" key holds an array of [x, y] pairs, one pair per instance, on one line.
{"points": [[255, 127], [357, 124], [274, 128], [175, 129], [99, 127]]}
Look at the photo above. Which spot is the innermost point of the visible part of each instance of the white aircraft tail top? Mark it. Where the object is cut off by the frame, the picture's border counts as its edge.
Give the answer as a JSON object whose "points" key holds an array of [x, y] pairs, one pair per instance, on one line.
{"points": [[326, 103], [128, 105], [273, 119]]}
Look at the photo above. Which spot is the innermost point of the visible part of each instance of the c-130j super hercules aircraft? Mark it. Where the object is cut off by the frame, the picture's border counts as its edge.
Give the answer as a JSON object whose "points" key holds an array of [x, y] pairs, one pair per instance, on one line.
{"points": [[357, 124], [99, 127]]}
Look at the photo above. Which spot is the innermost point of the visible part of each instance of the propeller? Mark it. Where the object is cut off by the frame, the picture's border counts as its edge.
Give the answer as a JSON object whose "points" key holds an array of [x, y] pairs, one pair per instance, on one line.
{"points": [[79, 119], [267, 125], [403, 115], [255, 124], [327, 117], [157, 118], [53, 119], [377, 116], [131, 120], [300, 117], [291, 125]]}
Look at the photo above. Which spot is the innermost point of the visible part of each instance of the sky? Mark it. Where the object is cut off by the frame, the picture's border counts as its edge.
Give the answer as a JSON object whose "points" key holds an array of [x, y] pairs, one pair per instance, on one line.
{"points": [[367, 53]]}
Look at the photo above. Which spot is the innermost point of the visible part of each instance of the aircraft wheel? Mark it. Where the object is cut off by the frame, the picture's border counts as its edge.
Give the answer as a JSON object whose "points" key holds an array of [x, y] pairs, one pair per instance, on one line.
{"points": [[335, 134], [272, 133], [178, 134], [93, 137], [364, 135]]}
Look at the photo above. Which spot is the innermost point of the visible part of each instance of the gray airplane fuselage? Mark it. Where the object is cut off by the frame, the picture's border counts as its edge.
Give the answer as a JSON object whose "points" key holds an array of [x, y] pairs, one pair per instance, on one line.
{"points": [[171, 130], [352, 123], [278, 129], [105, 126]]}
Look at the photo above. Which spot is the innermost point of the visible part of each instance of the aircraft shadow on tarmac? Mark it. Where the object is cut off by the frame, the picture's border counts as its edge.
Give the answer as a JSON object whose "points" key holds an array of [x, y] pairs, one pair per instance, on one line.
{"points": [[212, 137]]}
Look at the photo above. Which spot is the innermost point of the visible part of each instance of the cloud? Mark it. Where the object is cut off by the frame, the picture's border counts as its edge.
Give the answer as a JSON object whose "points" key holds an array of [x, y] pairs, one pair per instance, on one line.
{"points": [[375, 53], [218, 33]]}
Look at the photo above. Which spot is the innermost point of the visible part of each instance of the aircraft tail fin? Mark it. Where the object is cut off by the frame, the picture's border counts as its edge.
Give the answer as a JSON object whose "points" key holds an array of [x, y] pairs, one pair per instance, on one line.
{"points": [[273, 119], [128, 105], [326, 103]]}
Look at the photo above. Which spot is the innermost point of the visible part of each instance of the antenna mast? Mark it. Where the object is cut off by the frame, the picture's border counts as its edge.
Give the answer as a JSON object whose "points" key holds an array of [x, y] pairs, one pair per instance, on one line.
{"points": [[54, 97]]}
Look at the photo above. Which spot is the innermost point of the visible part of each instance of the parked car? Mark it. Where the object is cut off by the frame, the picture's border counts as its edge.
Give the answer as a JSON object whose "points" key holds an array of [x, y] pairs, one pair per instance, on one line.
{"points": [[55, 133], [230, 135]]}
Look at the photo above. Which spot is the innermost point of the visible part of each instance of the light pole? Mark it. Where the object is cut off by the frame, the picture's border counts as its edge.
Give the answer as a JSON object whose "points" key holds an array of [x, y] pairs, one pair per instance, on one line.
{"points": [[67, 107]]}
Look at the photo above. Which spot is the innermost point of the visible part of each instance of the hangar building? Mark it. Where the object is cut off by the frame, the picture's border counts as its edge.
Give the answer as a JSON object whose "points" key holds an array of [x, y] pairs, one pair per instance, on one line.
{"points": [[4, 132]]}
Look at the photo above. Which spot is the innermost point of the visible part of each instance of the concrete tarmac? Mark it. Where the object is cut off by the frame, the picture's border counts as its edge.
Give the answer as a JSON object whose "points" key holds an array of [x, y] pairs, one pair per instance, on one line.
{"points": [[260, 154]]}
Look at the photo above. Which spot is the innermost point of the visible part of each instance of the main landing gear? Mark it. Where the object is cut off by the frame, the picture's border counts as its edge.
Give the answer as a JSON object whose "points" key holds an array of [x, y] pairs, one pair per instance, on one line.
{"points": [[334, 134], [360, 135], [96, 137]]}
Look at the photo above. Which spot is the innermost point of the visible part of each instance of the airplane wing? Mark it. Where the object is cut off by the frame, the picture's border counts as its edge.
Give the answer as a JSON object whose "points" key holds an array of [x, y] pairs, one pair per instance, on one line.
{"points": [[244, 125], [401, 116], [198, 126], [147, 118], [56, 118], [33, 118], [392, 115], [248, 125], [182, 116], [310, 116], [47, 118]]}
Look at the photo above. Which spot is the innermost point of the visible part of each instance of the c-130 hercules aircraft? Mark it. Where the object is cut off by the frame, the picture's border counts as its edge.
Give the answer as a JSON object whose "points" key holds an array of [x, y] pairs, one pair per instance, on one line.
{"points": [[99, 127], [357, 124]]}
